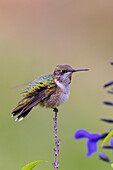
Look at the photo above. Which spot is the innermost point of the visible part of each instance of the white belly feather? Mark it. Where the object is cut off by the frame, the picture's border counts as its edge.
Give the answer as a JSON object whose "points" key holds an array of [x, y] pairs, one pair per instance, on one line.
{"points": [[65, 92]]}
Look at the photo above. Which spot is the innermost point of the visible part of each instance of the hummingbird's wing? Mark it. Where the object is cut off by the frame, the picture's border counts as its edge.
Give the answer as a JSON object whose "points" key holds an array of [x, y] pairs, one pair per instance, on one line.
{"points": [[37, 91], [36, 86]]}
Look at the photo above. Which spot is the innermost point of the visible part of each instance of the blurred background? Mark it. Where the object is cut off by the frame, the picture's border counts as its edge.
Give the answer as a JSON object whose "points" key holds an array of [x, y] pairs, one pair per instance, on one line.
{"points": [[35, 36]]}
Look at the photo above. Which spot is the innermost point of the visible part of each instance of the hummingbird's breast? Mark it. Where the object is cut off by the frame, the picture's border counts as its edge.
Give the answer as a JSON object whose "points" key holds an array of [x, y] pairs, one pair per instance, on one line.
{"points": [[59, 96]]}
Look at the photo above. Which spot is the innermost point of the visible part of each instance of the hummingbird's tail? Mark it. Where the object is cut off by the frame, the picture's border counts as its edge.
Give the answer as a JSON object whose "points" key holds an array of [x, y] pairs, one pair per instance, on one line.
{"points": [[22, 114], [20, 111]]}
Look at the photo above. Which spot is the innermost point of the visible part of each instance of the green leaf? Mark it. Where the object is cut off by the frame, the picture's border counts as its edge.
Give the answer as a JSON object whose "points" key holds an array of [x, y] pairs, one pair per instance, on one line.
{"points": [[108, 136], [31, 165], [112, 165]]}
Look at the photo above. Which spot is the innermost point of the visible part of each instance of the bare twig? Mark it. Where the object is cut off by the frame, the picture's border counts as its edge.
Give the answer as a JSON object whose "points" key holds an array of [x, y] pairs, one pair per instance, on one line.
{"points": [[57, 142]]}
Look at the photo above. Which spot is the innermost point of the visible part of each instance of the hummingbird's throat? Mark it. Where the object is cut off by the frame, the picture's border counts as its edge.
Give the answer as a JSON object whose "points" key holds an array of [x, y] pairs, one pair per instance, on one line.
{"points": [[70, 79]]}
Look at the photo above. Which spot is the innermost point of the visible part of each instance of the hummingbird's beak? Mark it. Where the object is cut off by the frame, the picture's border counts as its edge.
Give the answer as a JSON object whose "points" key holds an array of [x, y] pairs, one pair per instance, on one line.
{"points": [[75, 70]]}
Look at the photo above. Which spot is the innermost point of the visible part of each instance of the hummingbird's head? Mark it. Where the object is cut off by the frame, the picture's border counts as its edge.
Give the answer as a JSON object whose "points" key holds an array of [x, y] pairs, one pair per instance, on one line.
{"points": [[63, 73]]}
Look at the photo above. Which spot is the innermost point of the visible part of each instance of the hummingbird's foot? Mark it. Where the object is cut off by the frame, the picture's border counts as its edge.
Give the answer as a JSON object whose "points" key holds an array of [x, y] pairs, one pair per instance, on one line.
{"points": [[55, 110]]}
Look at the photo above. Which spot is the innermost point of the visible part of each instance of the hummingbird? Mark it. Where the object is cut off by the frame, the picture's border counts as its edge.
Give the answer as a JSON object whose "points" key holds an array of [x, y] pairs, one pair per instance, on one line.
{"points": [[48, 91]]}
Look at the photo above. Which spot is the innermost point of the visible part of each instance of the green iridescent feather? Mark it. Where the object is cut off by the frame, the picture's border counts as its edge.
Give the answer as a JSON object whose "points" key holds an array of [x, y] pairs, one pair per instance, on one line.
{"points": [[45, 81]]}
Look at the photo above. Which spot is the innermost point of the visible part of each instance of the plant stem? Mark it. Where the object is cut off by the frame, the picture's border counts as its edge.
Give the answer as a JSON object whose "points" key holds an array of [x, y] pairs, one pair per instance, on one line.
{"points": [[57, 142]]}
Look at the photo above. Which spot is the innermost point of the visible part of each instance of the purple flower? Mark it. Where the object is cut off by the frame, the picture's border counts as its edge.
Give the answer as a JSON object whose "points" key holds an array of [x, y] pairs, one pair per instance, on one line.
{"points": [[103, 157], [111, 142], [107, 120], [109, 146], [108, 103], [92, 140], [108, 84]]}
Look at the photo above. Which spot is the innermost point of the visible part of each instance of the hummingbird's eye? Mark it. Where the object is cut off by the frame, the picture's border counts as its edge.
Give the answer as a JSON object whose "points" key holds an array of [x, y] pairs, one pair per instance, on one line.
{"points": [[64, 71]]}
